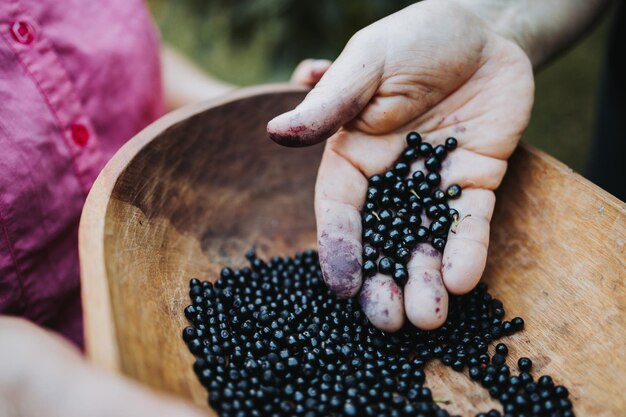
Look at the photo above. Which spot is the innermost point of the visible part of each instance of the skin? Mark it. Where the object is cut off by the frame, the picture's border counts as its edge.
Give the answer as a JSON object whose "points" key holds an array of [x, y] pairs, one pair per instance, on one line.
{"points": [[381, 299], [47, 377], [442, 68], [184, 83]]}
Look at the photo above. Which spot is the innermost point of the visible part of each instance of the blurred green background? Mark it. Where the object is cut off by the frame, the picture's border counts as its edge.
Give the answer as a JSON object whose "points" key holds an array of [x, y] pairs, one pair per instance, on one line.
{"points": [[255, 41]]}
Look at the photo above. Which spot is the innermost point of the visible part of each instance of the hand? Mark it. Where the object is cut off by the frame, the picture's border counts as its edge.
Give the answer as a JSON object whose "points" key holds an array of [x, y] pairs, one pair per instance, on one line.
{"points": [[42, 375], [438, 69]]}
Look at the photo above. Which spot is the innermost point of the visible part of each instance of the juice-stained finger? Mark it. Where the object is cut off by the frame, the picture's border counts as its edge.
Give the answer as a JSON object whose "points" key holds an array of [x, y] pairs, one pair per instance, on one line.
{"points": [[382, 302], [339, 96], [339, 195], [465, 255], [425, 297], [339, 244]]}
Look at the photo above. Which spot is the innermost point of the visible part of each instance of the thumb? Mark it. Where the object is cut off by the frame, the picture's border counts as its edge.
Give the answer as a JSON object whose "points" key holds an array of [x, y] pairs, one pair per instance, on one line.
{"points": [[341, 94], [310, 71]]}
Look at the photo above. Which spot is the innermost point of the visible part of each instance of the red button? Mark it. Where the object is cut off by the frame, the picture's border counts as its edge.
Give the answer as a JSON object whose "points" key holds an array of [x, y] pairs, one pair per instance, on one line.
{"points": [[80, 134], [23, 32]]}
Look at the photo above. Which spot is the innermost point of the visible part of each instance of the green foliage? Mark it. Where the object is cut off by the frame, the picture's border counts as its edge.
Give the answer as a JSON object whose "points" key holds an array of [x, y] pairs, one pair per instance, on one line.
{"points": [[562, 122], [251, 41], [254, 41]]}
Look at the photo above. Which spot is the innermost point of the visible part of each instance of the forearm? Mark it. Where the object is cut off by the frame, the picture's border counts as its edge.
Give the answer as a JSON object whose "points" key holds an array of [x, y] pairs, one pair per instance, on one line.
{"points": [[185, 83], [43, 375], [24, 369], [542, 28]]}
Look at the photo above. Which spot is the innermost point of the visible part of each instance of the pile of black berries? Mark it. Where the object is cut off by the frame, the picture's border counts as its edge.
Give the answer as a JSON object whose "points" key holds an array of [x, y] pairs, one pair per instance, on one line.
{"points": [[398, 202], [271, 340]]}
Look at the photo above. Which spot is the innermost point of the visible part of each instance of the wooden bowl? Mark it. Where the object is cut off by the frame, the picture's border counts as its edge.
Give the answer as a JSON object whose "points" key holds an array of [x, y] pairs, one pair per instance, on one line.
{"points": [[193, 191]]}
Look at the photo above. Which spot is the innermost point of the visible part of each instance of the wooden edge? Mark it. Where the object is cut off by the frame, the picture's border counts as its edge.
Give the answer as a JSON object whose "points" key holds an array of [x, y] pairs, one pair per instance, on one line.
{"points": [[575, 176], [99, 327]]}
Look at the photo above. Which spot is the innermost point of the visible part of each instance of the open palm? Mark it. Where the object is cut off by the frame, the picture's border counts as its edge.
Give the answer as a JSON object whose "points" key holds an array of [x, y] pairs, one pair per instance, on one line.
{"points": [[434, 68]]}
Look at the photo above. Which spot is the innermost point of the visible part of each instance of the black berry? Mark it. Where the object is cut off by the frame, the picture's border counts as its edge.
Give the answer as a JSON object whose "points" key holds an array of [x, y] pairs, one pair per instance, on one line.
{"points": [[413, 139], [454, 191], [451, 144]]}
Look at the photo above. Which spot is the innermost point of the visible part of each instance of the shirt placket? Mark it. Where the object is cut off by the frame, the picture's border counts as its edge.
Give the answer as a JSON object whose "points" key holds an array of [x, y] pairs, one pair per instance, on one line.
{"points": [[37, 55]]}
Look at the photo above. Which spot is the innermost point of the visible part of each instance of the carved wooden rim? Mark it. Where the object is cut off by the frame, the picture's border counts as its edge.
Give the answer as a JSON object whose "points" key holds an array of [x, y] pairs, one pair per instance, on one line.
{"points": [[99, 326]]}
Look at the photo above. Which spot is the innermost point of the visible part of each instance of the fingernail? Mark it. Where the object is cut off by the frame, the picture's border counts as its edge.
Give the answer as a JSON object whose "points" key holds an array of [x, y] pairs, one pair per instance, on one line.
{"points": [[340, 261]]}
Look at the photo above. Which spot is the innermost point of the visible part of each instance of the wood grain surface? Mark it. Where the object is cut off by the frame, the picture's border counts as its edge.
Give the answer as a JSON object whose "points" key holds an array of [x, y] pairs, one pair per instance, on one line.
{"points": [[195, 190]]}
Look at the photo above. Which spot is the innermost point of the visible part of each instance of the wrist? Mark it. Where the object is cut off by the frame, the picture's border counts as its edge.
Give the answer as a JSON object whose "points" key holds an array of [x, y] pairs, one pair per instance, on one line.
{"points": [[501, 18], [541, 28]]}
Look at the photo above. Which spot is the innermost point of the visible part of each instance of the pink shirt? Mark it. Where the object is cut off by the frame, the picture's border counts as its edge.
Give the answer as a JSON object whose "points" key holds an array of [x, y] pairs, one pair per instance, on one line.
{"points": [[78, 78]]}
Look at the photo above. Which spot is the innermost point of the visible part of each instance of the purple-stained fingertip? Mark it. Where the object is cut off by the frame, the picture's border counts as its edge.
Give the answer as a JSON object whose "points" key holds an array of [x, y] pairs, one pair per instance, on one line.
{"points": [[340, 261]]}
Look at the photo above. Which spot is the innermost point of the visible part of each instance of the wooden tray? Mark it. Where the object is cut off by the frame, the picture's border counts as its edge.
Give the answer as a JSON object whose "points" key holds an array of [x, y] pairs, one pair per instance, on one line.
{"points": [[193, 191]]}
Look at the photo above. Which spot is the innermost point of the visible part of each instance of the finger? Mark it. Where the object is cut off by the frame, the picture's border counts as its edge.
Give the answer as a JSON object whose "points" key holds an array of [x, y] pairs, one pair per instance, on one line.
{"points": [[425, 297], [471, 170], [369, 154], [339, 96], [339, 196], [465, 254], [310, 71], [382, 302]]}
